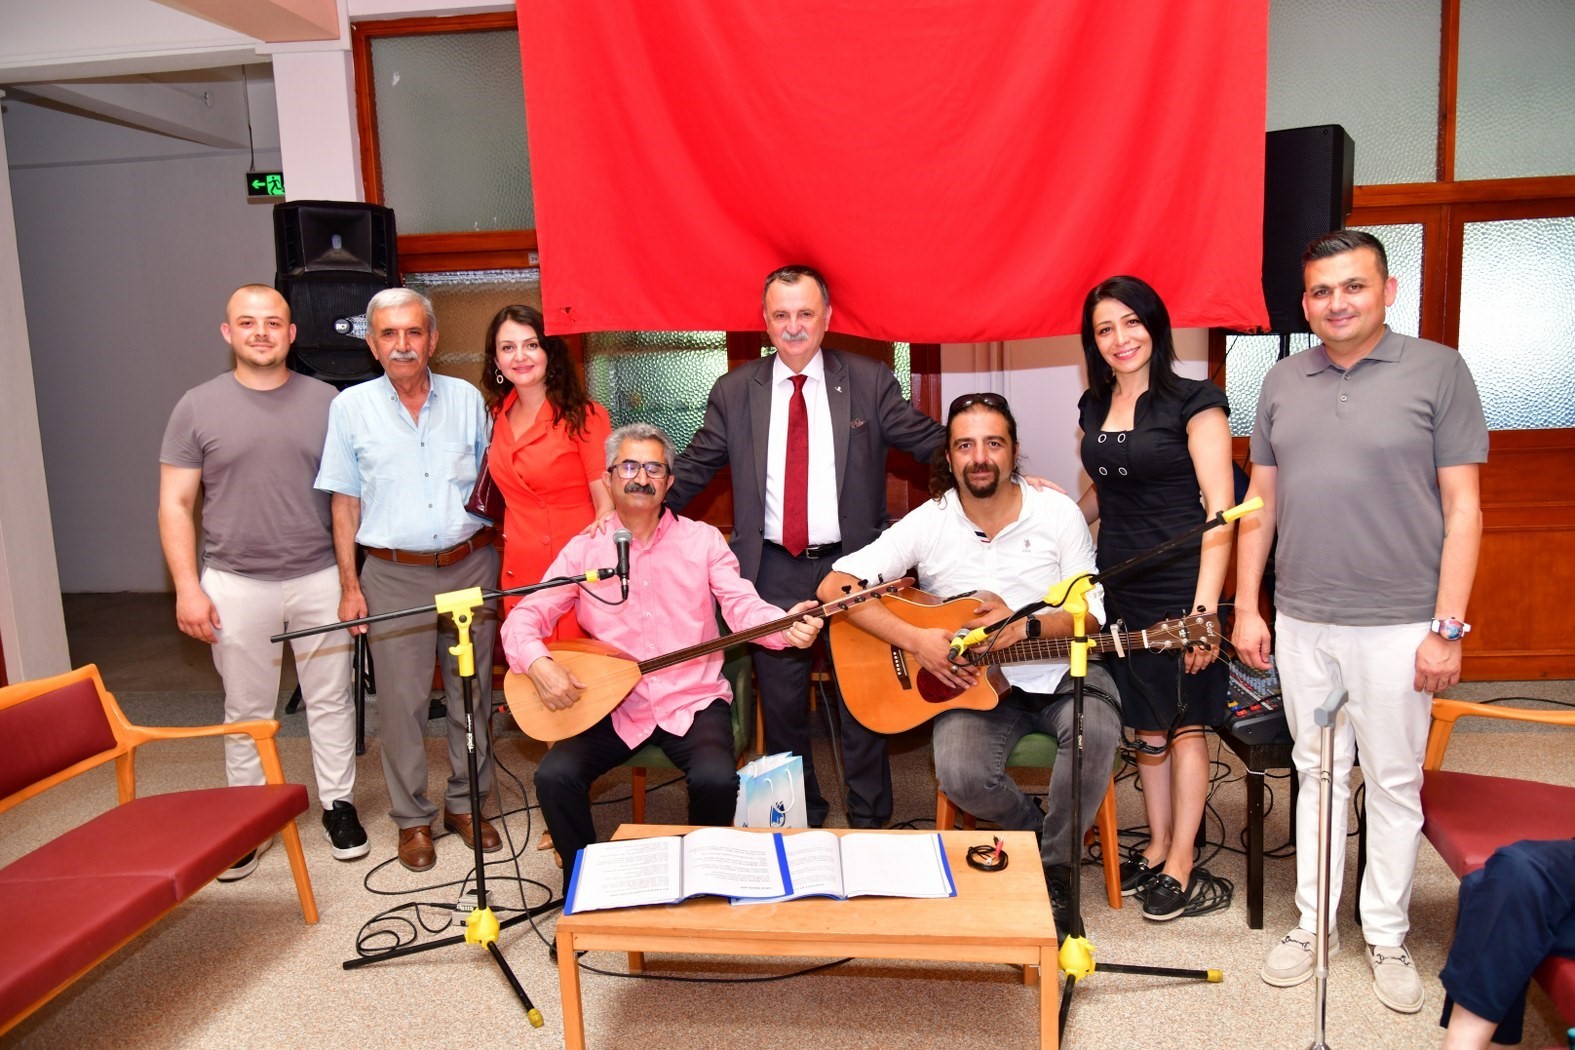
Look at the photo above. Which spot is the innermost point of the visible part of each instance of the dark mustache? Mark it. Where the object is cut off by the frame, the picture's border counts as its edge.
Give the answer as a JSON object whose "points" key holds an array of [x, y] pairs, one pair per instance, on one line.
{"points": [[635, 486]]}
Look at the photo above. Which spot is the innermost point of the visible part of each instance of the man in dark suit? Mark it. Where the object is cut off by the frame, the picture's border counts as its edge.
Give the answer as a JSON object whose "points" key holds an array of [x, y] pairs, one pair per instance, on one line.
{"points": [[786, 536]]}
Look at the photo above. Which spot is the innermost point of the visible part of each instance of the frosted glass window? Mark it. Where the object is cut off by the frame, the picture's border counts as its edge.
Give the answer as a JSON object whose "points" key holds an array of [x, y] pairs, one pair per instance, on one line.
{"points": [[465, 303], [1249, 357], [1371, 68], [1517, 320], [1515, 107], [451, 131], [655, 377]]}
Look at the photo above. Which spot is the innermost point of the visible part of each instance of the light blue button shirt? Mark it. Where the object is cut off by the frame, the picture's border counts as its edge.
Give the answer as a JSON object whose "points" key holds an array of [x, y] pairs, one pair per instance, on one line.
{"points": [[411, 476]]}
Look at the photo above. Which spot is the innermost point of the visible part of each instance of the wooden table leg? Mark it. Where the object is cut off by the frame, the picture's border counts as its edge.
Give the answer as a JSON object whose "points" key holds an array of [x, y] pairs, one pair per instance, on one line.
{"points": [[1254, 850], [1049, 998], [569, 991]]}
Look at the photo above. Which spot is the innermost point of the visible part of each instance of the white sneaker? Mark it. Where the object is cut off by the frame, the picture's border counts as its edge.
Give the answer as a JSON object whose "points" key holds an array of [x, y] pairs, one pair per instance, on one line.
{"points": [[1290, 962], [246, 865], [1395, 978]]}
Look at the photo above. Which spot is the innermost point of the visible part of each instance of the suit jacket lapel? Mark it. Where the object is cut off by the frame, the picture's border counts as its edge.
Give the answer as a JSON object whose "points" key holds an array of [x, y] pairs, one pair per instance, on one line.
{"points": [[839, 397], [760, 423]]}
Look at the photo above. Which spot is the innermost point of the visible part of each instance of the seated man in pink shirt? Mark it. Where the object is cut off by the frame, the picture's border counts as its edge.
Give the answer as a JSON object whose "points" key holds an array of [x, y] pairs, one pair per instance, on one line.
{"points": [[680, 571]]}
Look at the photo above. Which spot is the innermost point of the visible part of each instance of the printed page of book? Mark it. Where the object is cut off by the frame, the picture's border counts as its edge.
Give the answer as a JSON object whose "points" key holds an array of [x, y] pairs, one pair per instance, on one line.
{"points": [[887, 864], [627, 874], [815, 865], [733, 863]]}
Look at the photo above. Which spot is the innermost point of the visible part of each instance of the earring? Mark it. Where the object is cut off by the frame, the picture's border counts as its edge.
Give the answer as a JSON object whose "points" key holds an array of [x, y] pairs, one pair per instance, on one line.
{"points": [[499, 373]]}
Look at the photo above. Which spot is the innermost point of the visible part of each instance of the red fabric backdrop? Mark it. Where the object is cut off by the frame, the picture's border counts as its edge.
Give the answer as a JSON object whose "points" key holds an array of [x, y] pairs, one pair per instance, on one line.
{"points": [[961, 170]]}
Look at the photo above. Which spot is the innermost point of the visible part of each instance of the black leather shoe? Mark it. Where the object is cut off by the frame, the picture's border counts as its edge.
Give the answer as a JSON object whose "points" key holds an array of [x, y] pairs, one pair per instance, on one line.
{"points": [[1136, 874], [1165, 899], [1058, 878]]}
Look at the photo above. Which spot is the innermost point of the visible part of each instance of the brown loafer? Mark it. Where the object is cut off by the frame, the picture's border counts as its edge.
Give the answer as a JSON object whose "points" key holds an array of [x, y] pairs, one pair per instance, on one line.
{"points": [[415, 848], [459, 824]]}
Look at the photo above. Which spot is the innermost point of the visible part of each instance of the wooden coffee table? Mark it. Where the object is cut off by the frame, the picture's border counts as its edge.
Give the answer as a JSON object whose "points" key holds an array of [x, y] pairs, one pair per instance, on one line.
{"points": [[999, 916]]}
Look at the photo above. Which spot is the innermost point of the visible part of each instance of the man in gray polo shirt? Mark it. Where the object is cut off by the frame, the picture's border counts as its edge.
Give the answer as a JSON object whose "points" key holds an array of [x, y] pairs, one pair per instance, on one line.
{"points": [[250, 442], [1365, 452]]}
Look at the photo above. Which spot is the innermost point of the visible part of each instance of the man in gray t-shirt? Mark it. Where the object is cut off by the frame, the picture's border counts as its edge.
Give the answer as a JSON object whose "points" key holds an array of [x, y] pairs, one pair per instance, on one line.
{"points": [[250, 441], [1365, 452]]}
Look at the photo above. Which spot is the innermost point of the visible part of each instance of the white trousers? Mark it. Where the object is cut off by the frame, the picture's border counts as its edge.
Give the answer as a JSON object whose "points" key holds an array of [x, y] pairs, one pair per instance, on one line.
{"points": [[251, 611], [1388, 721]]}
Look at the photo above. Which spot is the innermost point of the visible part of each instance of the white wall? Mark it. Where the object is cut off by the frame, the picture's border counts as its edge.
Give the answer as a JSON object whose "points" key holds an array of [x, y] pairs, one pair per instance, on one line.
{"points": [[32, 627], [130, 243]]}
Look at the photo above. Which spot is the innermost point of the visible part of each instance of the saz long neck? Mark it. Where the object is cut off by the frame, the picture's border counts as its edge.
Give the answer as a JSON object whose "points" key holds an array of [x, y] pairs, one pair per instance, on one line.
{"points": [[694, 652]]}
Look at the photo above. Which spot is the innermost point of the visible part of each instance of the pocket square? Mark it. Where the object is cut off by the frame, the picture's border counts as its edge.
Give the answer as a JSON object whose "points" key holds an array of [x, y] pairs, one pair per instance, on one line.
{"points": [[854, 424]]}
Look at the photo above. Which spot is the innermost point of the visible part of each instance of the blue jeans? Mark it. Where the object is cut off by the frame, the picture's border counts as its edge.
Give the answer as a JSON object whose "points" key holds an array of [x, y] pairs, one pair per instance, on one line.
{"points": [[971, 748]]}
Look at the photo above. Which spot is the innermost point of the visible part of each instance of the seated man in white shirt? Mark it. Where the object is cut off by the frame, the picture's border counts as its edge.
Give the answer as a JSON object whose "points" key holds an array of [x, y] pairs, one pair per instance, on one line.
{"points": [[988, 531]]}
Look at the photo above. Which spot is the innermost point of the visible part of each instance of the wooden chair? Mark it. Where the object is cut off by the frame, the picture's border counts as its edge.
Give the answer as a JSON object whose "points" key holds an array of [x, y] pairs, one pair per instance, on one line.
{"points": [[736, 668], [1466, 816], [1038, 751]]}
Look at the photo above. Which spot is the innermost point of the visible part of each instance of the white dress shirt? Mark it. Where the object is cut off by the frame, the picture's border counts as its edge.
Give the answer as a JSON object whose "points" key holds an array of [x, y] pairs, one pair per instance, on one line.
{"points": [[824, 526]]}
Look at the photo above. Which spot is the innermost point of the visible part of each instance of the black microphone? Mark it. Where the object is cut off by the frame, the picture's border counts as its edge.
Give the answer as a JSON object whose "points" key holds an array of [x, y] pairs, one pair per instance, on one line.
{"points": [[621, 540]]}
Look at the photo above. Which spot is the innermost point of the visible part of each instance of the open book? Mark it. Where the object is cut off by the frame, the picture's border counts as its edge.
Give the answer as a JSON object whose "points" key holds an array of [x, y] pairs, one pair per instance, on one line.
{"points": [[757, 867]]}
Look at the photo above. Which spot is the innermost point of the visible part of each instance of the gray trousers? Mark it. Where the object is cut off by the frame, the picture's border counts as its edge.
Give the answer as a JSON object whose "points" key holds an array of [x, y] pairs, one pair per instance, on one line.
{"points": [[971, 748], [402, 655]]}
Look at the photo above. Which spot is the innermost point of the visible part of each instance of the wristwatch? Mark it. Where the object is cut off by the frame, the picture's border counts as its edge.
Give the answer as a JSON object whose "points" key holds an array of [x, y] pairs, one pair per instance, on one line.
{"points": [[1450, 629], [1035, 626]]}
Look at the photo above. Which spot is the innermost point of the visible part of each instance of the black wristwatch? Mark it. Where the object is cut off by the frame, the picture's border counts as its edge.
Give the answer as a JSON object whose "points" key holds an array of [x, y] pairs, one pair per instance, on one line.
{"points": [[1035, 627]]}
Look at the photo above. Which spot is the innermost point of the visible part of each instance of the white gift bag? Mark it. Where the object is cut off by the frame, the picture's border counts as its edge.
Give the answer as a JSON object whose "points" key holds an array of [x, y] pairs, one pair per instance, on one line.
{"points": [[771, 793]]}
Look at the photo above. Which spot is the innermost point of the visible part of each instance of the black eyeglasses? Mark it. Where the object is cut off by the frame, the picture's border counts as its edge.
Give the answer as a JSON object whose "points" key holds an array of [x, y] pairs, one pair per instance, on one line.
{"points": [[629, 468], [987, 399]]}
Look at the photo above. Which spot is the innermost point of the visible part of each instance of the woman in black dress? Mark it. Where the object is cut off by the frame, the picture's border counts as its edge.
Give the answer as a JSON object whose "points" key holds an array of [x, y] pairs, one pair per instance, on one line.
{"points": [[1157, 447]]}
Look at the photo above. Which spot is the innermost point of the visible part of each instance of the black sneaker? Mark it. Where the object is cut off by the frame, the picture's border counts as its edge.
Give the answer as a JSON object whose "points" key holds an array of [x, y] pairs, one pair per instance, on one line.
{"points": [[1136, 874], [1165, 899], [344, 832], [1058, 877], [246, 865]]}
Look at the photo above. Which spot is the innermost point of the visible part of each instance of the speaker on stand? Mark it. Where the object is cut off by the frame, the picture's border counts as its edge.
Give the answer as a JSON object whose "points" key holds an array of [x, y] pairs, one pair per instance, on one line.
{"points": [[332, 257], [1307, 180]]}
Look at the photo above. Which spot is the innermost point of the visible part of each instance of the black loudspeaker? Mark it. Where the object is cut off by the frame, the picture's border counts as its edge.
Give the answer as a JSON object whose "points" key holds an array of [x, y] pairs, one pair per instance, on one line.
{"points": [[1307, 176], [310, 236], [332, 257]]}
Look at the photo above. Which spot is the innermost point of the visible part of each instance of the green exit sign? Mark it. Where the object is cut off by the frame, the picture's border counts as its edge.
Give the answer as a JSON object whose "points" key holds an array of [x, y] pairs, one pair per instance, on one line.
{"points": [[265, 184]]}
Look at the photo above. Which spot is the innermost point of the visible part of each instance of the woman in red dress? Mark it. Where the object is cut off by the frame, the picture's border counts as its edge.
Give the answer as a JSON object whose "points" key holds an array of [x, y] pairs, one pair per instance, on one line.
{"points": [[548, 451]]}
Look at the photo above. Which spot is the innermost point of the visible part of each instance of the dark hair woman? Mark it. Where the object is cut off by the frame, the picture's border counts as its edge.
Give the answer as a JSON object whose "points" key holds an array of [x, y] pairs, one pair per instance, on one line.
{"points": [[547, 447], [1157, 447]]}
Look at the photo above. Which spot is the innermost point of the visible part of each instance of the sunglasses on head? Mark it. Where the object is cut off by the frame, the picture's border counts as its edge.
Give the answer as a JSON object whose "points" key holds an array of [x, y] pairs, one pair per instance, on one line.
{"points": [[967, 401]]}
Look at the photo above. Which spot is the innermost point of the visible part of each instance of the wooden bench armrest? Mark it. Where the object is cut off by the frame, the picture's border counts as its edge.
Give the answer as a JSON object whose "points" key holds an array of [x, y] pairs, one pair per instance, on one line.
{"points": [[1445, 713], [261, 730]]}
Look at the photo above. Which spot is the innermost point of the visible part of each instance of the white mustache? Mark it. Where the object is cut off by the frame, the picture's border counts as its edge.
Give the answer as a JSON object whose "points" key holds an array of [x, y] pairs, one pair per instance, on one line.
{"points": [[404, 355]]}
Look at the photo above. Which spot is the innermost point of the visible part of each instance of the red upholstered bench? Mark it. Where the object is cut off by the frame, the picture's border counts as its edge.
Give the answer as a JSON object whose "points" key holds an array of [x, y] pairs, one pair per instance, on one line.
{"points": [[72, 902], [1467, 816]]}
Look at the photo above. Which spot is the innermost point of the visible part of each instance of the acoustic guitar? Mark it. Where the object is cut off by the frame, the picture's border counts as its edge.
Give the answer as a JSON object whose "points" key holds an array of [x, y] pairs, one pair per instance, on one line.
{"points": [[888, 690], [609, 674]]}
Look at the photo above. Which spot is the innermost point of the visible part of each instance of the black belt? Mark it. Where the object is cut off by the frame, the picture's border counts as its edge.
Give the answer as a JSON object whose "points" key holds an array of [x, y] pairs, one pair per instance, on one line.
{"points": [[813, 551]]}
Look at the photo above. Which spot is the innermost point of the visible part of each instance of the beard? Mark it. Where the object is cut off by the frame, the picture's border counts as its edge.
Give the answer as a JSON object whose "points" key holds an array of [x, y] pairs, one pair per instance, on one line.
{"points": [[983, 483]]}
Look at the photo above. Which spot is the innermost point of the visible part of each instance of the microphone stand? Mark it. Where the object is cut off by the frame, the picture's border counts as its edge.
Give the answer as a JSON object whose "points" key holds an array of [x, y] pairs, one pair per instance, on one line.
{"points": [[481, 926], [1076, 956]]}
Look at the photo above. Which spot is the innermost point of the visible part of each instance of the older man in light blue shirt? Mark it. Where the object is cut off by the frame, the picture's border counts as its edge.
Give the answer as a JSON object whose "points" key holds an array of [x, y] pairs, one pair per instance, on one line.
{"points": [[401, 458]]}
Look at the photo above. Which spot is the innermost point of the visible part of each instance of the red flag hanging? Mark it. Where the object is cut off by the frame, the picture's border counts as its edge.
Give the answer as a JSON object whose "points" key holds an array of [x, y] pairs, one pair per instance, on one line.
{"points": [[961, 171]]}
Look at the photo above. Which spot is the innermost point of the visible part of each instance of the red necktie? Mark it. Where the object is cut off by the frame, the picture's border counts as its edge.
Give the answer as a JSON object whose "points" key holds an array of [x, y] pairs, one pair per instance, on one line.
{"points": [[795, 490]]}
